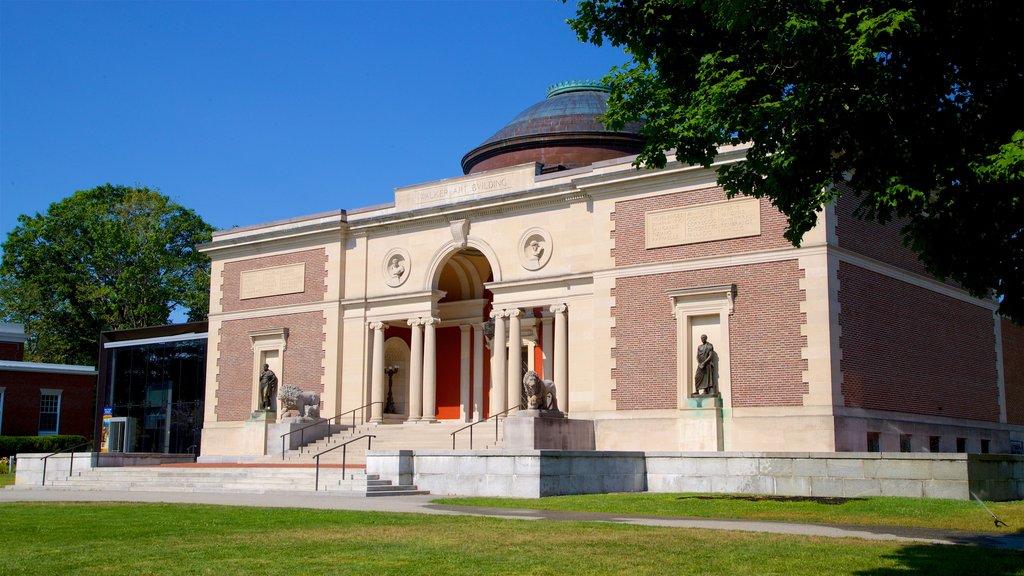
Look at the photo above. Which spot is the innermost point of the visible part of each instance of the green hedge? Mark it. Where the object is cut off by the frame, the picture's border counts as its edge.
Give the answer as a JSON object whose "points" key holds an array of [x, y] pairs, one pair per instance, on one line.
{"points": [[11, 445]]}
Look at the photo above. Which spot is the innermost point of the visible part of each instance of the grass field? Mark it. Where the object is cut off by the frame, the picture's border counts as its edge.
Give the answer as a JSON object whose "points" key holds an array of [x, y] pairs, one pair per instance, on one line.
{"points": [[6, 480], [882, 511], [86, 539]]}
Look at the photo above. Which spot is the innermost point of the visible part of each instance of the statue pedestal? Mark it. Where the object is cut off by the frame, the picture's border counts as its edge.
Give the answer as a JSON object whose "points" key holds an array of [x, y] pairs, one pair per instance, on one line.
{"points": [[701, 424], [255, 434], [320, 428], [548, 430]]}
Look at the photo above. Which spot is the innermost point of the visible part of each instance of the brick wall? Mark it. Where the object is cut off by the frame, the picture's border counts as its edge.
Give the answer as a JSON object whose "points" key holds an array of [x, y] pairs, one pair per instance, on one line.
{"points": [[630, 225], [764, 339], [12, 351], [302, 363], [1013, 370], [21, 402], [315, 280], [882, 242], [908, 349]]}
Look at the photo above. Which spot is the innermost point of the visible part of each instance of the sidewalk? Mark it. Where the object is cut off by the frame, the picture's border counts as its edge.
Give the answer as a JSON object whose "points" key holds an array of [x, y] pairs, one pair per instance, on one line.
{"points": [[422, 505]]}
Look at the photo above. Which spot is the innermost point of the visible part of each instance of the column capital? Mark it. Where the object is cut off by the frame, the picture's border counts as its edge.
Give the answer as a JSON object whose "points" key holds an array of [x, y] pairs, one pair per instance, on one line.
{"points": [[414, 321], [430, 321], [559, 308], [376, 325], [513, 312], [496, 313]]}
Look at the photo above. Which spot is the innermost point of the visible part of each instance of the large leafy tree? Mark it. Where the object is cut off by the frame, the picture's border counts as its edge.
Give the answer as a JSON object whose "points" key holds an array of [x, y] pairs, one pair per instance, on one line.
{"points": [[916, 105], [109, 258]]}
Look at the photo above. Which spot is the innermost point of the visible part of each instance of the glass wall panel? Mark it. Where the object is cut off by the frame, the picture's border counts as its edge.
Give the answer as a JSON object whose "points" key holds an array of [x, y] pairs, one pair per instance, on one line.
{"points": [[160, 386]]}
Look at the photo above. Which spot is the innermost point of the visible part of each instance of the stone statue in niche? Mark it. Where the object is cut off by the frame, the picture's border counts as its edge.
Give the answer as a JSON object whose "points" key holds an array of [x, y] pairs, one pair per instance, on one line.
{"points": [[540, 393], [268, 386], [704, 377]]}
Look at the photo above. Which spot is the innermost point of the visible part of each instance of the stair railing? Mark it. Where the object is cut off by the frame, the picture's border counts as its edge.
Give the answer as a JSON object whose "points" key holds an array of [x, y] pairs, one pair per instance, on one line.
{"points": [[344, 450], [337, 419], [71, 467], [470, 427]]}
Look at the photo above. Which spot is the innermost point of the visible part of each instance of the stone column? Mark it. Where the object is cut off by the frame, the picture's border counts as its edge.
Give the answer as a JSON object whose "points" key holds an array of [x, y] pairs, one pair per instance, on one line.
{"points": [[465, 410], [515, 357], [547, 329], [478, 372], [416, 371], [498, 364], [377, 373], [561, 371], [430, 369]]}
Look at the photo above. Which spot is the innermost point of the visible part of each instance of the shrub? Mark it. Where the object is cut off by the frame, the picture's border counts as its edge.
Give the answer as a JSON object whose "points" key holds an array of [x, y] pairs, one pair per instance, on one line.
{"points": [[11, 445]]}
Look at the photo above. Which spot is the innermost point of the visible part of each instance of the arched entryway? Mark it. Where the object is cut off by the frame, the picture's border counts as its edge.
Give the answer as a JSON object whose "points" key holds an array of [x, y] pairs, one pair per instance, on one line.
{"points": [[463, 373]]}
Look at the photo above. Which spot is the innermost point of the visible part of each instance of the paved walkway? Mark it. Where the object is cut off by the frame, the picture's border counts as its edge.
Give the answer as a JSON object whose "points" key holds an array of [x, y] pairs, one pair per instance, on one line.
{"points": [[423, 505]]}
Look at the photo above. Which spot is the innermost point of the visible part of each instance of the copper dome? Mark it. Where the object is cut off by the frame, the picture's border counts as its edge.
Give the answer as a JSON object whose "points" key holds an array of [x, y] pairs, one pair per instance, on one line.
{"points": [[560, 132]]}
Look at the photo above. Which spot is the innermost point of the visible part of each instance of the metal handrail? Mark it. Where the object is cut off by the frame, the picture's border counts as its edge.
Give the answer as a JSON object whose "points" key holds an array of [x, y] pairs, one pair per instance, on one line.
{"points": [[344, 450], [71, 468], [302, 435], [470, 426]]}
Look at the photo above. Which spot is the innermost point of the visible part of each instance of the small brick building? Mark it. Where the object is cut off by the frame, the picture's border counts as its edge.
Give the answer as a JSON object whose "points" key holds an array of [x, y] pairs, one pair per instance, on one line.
{"points": [[39, 399], [554, 254]]}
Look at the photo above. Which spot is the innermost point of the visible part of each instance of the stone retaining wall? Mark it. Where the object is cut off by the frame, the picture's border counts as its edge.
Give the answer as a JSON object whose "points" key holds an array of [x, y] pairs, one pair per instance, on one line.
{"points": [[515, 473], [537, 473]]}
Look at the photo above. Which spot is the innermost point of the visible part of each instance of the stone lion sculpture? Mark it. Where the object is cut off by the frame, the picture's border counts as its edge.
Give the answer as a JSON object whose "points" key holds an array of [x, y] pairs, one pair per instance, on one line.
{"points": [[307, 404], [540, 393]]}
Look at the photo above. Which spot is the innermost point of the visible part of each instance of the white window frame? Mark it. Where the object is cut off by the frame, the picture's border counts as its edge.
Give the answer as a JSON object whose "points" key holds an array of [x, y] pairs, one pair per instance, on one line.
{"points": [[58, 394]]}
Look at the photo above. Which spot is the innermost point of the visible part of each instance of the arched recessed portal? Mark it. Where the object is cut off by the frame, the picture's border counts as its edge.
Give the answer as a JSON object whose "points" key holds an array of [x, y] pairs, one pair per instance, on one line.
{"points": [[462, 368]]}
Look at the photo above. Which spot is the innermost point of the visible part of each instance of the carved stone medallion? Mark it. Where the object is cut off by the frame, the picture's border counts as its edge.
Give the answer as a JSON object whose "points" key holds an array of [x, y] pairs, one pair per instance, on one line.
{"points": [[396, 267], [534, 248]]}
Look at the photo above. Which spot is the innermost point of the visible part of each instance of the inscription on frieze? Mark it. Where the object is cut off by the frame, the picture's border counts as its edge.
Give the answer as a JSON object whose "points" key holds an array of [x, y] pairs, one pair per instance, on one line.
{"points": [[702, 223], [273, 281], [464, 188]]}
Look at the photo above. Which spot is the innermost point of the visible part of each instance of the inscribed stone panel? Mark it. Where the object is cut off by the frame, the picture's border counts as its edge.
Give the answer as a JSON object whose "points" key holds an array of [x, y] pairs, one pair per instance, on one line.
{"points": [[273, 281], [702, 223]]}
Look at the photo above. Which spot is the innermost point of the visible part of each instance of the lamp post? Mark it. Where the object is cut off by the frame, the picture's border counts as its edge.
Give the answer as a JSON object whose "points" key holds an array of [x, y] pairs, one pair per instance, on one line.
{"points": [[389, 407]]}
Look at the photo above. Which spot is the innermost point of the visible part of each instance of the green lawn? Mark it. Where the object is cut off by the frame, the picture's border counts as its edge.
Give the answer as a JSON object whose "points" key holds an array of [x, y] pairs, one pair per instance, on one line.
{"points": [[6, 480], [85, 539], [880, 511]]}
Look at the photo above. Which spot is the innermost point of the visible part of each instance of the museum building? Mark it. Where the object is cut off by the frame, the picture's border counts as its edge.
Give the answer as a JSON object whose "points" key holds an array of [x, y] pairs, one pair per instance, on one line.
{"points": [[553, 253]]}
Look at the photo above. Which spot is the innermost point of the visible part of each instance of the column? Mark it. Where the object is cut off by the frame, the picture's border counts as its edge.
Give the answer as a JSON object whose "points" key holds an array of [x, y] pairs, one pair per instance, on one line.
{"points": [[465, 410], [547, 331], [416, 371], [561, 371], [377, 373], [430, 369], [515, 357], [498, 364], [478, 372]]}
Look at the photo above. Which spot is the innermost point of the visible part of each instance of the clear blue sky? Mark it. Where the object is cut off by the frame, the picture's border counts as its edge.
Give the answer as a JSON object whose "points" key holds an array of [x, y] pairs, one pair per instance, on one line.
{"points": [[253, 111]]}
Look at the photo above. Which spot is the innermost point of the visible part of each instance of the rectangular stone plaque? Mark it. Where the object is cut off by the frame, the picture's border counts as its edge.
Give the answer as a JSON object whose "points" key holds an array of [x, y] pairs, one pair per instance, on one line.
{"points": [[465, 188], [273, 281], [714, 221]]}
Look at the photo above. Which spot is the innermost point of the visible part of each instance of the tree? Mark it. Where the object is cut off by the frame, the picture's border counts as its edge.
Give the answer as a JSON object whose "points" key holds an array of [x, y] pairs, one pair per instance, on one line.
{"points": [[109, 258], [915, 105]]}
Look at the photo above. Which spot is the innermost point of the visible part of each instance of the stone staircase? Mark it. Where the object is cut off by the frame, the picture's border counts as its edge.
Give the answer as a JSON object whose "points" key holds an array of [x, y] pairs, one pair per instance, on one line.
{"points": [[296, 472], [404, 436], [249, 478]]}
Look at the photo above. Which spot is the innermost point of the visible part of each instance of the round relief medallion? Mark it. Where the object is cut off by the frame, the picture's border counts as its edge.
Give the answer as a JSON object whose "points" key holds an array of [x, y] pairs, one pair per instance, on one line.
{"points": [[534, 248], [396, 267]]}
